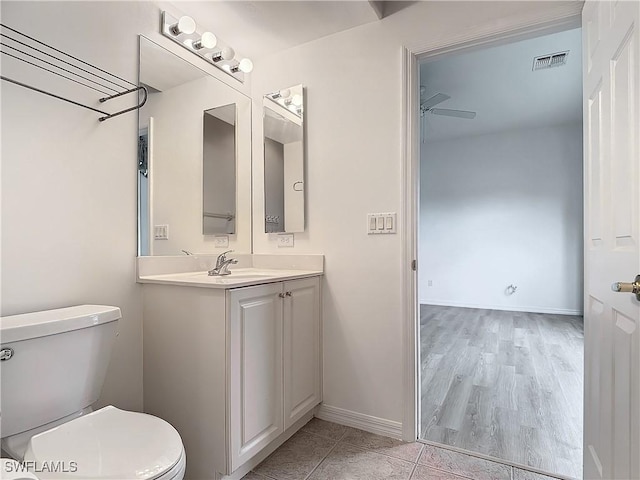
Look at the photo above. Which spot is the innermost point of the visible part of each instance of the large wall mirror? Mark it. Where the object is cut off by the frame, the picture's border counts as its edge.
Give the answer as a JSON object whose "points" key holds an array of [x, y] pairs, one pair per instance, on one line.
{"points": [[283, 127], [194, 159]]}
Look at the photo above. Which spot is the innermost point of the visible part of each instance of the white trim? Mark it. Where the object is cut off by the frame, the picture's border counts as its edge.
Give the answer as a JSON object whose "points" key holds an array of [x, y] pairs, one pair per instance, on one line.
{"points": [[507, 308], [409, 208], [564, 17], [380, 426]]}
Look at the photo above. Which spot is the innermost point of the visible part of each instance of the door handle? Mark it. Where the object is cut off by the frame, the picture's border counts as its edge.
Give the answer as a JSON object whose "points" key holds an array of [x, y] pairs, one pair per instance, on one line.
{"points": [[628, 287]]}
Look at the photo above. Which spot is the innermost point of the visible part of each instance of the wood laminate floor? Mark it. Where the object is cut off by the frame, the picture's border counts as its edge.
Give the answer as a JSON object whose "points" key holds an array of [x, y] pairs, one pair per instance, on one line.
{"points": [[504, 384]]}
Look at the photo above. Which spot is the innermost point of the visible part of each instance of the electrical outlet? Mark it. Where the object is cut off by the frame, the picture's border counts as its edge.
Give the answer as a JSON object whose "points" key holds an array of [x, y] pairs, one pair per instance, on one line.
{"points": [[221, 241], [429, 283], [285, 240]]}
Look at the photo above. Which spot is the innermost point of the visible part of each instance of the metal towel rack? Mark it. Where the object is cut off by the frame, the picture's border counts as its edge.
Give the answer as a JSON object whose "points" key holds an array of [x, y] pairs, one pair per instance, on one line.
{"points": [[226, 216], [29, 50]]}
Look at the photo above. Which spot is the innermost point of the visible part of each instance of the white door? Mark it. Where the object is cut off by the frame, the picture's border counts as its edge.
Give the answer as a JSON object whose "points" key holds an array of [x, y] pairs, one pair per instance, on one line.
{"points": [[255, 374], [301, 348], [611, 44]]}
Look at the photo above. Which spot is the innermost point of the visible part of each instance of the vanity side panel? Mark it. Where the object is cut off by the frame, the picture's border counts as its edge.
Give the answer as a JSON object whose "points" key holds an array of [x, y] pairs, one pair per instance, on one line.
{"points": [[184, 370]]}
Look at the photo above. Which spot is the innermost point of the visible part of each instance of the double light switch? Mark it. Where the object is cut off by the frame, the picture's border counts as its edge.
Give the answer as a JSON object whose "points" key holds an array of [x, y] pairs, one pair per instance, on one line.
{"points": [[380, 223]]}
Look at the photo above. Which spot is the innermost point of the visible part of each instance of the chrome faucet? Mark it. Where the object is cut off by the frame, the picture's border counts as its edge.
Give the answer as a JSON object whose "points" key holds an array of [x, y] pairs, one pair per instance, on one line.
{"points": [[222, 264]]}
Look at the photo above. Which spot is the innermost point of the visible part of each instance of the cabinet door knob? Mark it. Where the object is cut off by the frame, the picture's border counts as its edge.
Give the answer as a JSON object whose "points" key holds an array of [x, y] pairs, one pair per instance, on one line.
{"points": [[281, 295], [288, 294]]}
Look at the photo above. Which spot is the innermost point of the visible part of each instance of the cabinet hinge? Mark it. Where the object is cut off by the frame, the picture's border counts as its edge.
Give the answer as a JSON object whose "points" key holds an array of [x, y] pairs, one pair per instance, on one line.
{"points": [[414, 265]]}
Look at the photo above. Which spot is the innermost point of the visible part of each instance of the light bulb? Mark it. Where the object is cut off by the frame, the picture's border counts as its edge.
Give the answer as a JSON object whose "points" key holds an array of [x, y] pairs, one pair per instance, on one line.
{"points": [[226, 67], [185, 25], [285, 93], [208, 40], [226, 53], [245, 65], [296, 100]]}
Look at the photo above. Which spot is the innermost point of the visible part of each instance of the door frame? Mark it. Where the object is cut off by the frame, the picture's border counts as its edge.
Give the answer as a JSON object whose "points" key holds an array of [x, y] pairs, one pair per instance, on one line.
{"points": [[562, 18]]}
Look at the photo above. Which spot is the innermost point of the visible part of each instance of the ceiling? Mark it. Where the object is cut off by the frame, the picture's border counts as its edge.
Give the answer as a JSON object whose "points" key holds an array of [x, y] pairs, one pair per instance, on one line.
{"points": [[498, 83], [257, 28]]}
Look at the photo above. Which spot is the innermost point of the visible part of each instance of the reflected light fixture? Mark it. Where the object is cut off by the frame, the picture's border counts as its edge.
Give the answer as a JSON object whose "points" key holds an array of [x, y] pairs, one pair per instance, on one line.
{"points": [[296, 100], [185, 25], [184, 32]]}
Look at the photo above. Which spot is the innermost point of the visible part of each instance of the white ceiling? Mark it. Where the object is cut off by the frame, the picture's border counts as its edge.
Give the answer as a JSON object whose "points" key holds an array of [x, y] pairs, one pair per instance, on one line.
{"points": [[498, 83], [256, 28]]}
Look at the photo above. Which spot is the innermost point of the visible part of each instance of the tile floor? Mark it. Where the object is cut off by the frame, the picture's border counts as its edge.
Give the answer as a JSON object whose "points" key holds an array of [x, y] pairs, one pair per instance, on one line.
{"points": [[327, 451]]}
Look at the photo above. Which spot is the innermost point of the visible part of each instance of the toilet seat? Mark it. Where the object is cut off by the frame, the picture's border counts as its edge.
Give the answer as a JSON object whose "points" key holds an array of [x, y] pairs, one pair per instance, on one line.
{"points": [[109, 444]]}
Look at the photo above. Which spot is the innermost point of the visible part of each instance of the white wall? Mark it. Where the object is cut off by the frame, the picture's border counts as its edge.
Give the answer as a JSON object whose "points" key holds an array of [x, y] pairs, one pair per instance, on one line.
{"points": [[353, 118], [501, 209], [69, 181], [57, 157]]}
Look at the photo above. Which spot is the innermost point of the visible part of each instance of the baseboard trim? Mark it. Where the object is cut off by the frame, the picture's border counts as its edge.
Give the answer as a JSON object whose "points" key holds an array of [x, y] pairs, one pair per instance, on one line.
{"points": [[380, 426], [507, 308]]}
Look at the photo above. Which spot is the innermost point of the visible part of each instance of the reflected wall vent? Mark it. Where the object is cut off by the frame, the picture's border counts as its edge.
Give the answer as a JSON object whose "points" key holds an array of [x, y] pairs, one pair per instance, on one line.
{"points": [[551, 60]]}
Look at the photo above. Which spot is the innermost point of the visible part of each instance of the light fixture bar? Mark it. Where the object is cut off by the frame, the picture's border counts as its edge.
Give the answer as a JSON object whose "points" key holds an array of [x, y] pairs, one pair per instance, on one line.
{"points": [[185, 33]]}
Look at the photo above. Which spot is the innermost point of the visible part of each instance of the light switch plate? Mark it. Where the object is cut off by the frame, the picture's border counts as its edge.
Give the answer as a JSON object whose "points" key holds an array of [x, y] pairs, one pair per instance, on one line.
{"points": [[161, 232], [381, 223], [285, 240]]}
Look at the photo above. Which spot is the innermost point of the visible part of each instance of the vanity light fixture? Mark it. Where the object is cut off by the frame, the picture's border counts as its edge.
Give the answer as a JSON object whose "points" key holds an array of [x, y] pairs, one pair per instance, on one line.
{"points": [[207, 40], [226, 53], [185, 25], [245, 65], [185, 33]]}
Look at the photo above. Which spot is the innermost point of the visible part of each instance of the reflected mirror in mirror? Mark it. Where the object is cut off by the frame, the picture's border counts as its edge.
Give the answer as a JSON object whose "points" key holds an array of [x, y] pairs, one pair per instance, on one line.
{"points": [[219, 171], [284, 160], [194, 158]]}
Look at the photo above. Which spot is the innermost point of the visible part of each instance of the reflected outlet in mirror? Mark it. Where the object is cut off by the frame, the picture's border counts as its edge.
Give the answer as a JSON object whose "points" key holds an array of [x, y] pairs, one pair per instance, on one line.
{"points": [[283, 119]]}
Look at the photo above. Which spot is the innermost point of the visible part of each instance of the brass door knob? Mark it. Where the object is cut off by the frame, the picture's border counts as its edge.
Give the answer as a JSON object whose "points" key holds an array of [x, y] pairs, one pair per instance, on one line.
{"points": [[624, 287]]}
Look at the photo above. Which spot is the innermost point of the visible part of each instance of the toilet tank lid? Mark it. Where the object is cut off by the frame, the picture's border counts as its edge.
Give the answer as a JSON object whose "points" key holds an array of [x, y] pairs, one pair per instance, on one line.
{"points": [[49, 322]]}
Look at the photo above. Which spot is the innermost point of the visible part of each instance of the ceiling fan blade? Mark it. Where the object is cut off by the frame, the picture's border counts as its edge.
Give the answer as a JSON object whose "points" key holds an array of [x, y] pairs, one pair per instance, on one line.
{"points": [[453, 113], [435, 100]]}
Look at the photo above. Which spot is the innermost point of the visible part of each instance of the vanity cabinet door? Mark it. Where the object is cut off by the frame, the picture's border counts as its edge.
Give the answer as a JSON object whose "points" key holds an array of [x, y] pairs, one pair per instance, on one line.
{"points": [[255, 364], [302, 367]]}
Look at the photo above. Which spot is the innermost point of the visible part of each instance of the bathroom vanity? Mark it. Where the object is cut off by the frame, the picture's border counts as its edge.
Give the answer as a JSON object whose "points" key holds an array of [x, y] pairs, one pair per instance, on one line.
{"points": [[232, 362]]}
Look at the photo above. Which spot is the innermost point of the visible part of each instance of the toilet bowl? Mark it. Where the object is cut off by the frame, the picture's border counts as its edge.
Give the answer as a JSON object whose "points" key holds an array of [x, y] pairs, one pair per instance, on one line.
{"points": [[53, 367], [108, 444]]}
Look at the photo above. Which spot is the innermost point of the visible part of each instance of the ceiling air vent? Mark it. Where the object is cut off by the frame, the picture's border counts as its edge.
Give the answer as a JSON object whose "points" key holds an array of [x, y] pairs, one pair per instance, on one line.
{"points": [[550, 61]]}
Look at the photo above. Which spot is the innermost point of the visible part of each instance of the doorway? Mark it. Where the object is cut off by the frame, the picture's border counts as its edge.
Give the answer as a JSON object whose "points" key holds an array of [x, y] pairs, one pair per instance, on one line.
{"points": [[500, 252]]}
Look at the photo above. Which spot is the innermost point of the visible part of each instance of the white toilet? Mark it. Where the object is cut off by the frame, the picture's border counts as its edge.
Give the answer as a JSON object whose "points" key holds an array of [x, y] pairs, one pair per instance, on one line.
{"points": [[52, 367]]}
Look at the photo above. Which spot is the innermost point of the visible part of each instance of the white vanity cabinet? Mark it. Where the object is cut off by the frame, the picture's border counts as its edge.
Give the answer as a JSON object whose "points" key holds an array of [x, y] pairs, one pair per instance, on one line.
{"points": [[232, 369]]}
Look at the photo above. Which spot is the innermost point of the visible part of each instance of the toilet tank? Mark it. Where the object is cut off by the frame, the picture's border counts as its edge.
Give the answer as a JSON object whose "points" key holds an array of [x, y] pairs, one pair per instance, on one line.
{"points": [[53, 363]]}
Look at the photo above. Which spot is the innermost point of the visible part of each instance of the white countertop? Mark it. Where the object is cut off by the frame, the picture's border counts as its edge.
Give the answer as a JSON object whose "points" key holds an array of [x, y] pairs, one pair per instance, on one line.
{"points": [[240, 277]]}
